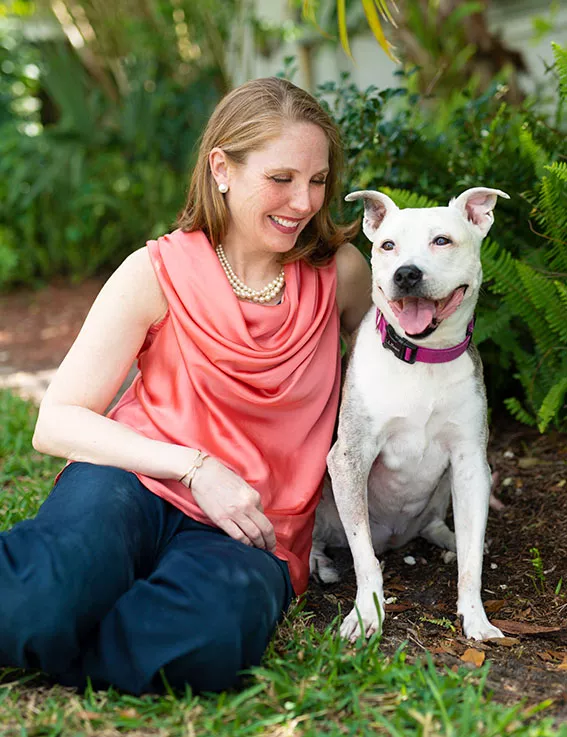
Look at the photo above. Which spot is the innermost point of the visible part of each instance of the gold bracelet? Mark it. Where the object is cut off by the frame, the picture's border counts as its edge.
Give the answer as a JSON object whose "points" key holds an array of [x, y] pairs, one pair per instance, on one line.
{"points": [[197, 463]]}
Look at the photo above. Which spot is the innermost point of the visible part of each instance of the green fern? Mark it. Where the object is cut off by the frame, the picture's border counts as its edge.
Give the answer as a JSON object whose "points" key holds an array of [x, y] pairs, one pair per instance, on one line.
{"points": [[541, 291], [551, 213], [518, 412], [404, 199], [530, 148], [560, 56], [492, 323], [552, 404]]}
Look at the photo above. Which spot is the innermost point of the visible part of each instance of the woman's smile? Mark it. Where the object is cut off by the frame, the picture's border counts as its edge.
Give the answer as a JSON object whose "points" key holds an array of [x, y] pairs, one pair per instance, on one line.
{"points": [[284, 225]]}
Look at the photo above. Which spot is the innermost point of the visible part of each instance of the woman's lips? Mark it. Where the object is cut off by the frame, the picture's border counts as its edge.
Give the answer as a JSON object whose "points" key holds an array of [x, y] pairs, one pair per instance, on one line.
{"points": [[284, 225]]}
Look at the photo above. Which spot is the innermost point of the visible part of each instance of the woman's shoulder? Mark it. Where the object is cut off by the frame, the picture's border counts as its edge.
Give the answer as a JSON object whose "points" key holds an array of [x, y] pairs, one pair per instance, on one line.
{"points": [[348, 259], [354, 286], [137, 274]]}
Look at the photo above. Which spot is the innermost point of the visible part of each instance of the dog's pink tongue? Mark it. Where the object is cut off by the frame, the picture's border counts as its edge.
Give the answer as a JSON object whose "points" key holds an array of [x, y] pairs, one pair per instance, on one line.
{"points": [[416, 315]]}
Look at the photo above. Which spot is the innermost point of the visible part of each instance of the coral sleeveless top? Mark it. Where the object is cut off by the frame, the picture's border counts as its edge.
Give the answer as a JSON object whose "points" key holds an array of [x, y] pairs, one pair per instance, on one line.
{"points": [[254, 385]]}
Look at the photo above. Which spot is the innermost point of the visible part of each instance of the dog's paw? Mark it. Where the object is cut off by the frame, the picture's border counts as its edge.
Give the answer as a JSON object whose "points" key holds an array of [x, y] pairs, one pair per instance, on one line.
{"points": [[480, 629], [323, 568], [368, 615]]}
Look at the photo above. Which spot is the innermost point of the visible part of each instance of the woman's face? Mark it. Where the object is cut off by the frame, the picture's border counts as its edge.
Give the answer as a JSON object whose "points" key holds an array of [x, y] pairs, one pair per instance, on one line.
{"points": [[279, 188]]}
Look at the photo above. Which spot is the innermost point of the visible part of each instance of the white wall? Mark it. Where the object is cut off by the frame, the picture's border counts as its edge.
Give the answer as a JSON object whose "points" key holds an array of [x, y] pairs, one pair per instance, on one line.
{"points": [[512, 19]]}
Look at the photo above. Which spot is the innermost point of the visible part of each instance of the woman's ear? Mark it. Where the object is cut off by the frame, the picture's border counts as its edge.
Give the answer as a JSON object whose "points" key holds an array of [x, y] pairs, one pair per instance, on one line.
{"points": [[218, 162]]}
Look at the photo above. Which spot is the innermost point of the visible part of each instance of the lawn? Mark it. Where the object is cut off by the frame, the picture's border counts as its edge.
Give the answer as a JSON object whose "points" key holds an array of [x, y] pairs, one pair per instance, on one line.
{"points": [[311, 682]]}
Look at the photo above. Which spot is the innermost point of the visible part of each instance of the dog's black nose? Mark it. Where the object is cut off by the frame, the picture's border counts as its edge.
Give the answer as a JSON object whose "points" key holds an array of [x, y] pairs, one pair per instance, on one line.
{"points": [[406, 277]]}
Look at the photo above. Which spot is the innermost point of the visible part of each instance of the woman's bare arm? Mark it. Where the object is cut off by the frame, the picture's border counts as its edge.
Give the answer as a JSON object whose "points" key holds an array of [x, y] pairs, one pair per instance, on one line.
{"points": [[70, 423]]}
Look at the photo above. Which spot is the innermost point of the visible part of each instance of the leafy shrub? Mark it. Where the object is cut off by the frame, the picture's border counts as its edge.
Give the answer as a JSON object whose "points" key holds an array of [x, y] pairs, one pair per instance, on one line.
{"points": [[91, 185]]}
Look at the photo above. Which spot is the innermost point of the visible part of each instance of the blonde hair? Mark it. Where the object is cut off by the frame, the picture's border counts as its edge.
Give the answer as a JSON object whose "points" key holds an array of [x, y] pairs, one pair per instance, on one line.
{"points": [[245, 120]]}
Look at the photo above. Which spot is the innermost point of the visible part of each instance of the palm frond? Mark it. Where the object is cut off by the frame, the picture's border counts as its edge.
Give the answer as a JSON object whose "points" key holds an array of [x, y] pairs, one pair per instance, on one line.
{"points": [[373, 9]]}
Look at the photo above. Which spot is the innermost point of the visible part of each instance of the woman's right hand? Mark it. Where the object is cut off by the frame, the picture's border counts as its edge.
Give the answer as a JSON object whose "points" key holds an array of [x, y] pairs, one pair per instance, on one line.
{"points": [[232, 504]]}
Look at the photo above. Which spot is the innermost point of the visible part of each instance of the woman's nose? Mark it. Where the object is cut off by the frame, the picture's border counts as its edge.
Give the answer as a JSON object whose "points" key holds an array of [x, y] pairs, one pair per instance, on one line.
{"points": [[301, 200]]}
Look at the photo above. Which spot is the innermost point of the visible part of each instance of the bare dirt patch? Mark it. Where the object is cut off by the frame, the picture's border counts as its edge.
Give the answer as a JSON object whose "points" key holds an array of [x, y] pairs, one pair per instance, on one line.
{"points": [[38, 327]]}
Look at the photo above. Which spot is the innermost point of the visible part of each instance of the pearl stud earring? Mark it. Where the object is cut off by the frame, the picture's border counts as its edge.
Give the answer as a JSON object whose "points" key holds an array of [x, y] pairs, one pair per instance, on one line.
{"points": [[223, 188]]}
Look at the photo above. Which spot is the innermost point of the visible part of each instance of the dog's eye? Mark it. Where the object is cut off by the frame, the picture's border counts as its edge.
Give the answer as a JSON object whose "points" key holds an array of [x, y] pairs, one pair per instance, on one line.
{"points": [[442, 240], [388, 246]]}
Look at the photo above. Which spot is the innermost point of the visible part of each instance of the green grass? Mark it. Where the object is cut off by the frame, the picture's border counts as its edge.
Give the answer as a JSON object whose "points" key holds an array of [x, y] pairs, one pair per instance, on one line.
{"points": [[311, 683]]}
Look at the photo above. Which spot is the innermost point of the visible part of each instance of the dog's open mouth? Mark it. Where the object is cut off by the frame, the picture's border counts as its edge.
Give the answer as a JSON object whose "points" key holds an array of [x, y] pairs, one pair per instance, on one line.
{"points": [[417, 315]]}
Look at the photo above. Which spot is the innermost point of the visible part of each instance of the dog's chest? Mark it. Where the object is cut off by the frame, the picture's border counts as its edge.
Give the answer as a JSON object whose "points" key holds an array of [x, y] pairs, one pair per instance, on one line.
{"points": [[408, 445], [413, 412], [411, 460]]}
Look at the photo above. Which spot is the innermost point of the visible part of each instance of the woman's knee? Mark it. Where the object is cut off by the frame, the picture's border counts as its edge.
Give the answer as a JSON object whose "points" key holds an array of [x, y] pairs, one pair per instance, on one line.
{"points": [[218, 657], [61, 572], [37, 630], [106, 511], [231, 637]]}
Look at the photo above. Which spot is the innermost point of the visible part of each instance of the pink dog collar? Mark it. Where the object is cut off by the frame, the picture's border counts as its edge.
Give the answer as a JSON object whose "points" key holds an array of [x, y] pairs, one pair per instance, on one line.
{"points": [[410, 353]]}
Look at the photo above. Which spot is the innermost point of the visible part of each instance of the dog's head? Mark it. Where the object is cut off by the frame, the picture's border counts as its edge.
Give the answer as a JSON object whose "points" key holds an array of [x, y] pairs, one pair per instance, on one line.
{"points": [[426, 261]]}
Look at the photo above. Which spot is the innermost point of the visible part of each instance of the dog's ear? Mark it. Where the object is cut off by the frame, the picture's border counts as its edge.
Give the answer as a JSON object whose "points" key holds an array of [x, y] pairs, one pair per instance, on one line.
{"points": [[476, 206], [376, 207]]}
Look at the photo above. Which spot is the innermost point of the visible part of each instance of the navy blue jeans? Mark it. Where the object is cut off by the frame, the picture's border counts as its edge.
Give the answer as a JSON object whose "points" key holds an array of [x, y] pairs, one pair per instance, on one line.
{"points": [[113, 583]]}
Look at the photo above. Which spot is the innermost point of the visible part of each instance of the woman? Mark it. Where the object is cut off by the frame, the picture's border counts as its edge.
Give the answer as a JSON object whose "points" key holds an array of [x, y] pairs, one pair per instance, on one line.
{"points": [[169, 549]]}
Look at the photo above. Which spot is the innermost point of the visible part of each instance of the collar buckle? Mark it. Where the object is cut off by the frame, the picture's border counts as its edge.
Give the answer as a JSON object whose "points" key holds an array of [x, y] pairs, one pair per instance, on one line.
{"points": [[400, 347]]}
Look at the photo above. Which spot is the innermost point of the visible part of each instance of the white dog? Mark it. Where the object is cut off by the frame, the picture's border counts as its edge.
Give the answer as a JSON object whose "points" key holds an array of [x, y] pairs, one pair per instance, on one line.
{"points": [[412, 426]]}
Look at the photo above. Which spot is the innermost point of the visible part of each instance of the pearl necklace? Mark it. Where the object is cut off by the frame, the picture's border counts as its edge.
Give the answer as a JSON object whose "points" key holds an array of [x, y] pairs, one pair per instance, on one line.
{"points": [[242, 291]]}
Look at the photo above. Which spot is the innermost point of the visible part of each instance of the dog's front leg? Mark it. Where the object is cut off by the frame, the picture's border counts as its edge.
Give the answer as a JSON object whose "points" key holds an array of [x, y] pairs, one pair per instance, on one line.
{"points": [[470, 494], [349, 465]]}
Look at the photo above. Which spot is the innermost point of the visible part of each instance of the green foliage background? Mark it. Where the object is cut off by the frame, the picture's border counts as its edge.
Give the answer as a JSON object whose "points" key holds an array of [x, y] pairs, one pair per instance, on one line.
{"points": [[95, 154], [100, 162]]}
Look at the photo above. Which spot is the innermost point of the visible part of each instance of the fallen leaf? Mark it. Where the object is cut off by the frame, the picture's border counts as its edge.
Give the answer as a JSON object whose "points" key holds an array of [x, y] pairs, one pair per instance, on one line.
{"points": [[545, 656], [504, 641], [476, 657], [445, 648], [522, 628], [89, 715], [129, 713], [530, 462], [491, 606], [398, 607], [396, 587]]}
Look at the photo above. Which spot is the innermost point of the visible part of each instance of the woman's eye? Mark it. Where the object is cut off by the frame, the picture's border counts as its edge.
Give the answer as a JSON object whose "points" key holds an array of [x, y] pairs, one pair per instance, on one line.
{"points": [[319, 181], [388, 246], [281, 180], [441, 240]]}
